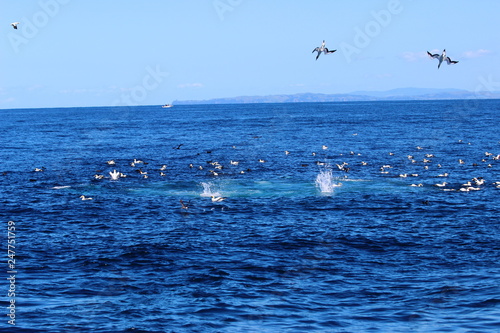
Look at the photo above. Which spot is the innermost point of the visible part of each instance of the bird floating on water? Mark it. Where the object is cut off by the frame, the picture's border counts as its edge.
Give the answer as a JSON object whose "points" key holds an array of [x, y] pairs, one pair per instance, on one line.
{"points": [[84, 198], [217, 199], [15, 24], [323, 49], [442, 58]]}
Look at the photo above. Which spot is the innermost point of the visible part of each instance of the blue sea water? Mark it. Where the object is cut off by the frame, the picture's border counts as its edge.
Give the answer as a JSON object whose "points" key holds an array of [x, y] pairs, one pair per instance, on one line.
{"points": [[298, 245]]}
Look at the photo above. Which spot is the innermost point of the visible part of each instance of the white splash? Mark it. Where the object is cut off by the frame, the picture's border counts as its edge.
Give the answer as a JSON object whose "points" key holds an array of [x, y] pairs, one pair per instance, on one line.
{"points": [[207, 190], [324, 181], [61, 187]]}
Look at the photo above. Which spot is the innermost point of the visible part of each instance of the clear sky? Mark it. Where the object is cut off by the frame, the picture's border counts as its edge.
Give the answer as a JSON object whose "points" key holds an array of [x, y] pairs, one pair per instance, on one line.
{"points": [[100, 52]]}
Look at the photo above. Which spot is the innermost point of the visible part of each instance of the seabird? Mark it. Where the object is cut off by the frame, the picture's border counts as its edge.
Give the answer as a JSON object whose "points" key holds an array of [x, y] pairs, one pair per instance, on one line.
{"points": [[217, 199], [322, 49], [441, 58], [14, 25], [84, 198]]}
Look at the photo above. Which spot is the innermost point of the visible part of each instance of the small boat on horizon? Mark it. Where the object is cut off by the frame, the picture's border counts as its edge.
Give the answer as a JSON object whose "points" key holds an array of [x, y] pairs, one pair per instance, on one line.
{"points": [[166, 106]]}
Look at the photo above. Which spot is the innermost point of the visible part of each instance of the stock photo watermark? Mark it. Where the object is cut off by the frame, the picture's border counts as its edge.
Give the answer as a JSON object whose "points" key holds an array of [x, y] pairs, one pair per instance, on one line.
{"points": [[483, 90], [137, 94], [224, 6], [372, 29], [28, 28], [11, 272]]}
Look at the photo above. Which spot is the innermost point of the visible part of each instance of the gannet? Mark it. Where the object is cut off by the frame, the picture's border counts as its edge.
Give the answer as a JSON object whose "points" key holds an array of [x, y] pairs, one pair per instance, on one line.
{"points": [[322, 49], [441, 58], [14, 25], [85, 198], [217, 199]]}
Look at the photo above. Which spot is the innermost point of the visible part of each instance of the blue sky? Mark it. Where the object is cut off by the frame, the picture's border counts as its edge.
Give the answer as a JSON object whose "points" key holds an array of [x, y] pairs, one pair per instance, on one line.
{"points": [[98, 52]]}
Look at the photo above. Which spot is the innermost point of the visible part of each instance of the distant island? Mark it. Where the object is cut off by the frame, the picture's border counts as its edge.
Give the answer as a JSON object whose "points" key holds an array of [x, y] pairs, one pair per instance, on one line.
{"points": [[389, 95]]}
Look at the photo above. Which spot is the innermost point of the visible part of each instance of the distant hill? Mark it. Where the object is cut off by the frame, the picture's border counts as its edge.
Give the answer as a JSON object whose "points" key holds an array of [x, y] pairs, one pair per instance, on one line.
{"points": [[394, 94]]}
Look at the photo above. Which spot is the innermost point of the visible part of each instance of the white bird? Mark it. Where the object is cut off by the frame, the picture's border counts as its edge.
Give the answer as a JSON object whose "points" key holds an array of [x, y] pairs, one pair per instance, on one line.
{"points": [[323, 49], [217, 199], [14, 25], [442, 58], [114, 175], [84, 198]]}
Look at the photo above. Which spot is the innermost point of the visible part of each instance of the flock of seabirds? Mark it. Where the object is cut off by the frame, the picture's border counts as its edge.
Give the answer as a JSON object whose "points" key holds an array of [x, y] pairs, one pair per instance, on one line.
{"points": [[471, 185], [425, 162]]}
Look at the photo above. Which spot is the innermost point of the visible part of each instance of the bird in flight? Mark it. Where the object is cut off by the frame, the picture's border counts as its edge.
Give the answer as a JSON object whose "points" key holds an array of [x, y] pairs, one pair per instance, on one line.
{"points": [[184, 205], [14, 25], [323, 49], [441, 58]]}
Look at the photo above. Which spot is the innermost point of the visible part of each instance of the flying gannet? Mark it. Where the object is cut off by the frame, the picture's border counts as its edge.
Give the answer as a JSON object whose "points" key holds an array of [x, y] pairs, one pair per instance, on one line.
{"points": [[322, 49], [442, 58], [14, 25]]}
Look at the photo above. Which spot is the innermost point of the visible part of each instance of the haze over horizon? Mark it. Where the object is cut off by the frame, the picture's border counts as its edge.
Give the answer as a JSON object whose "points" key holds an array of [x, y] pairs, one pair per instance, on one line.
{"points": [[70, 53]]}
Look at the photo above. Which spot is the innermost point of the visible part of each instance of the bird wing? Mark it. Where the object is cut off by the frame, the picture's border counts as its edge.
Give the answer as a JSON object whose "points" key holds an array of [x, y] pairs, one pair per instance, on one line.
{"points": [[435, 56], [315, 50], [449, 61], [328, 51]]}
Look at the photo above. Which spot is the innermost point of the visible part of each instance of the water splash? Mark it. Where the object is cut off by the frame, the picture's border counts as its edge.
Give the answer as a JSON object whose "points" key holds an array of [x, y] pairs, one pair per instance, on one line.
{"points": [[207, 190], [325, 180]]}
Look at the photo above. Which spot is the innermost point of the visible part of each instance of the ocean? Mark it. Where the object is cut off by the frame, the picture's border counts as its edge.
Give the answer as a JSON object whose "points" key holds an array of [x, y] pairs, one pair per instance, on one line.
{"points": [[337, 217]]}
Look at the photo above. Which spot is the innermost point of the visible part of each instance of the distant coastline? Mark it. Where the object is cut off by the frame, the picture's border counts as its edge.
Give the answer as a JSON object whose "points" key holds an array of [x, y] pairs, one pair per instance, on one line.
{"points": [[389, 95]]}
